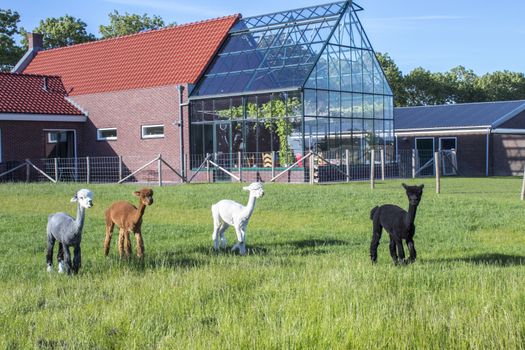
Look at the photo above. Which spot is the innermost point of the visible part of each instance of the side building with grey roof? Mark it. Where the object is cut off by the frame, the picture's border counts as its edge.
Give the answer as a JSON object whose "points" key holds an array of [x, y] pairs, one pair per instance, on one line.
{"points": [[488, 137]]}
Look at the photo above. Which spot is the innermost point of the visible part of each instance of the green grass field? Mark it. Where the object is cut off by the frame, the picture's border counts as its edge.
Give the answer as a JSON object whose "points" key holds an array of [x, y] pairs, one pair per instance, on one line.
{"points": [[307, 282]]}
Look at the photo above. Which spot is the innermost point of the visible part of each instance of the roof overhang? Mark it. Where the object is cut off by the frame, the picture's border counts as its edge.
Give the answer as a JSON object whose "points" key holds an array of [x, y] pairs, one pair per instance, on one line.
{"points": [[23, 117], [480, 129]]}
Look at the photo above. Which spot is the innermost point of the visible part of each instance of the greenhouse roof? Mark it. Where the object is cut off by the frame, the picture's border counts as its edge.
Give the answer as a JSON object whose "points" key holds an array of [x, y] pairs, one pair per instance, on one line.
{"points": [[279, 51]]}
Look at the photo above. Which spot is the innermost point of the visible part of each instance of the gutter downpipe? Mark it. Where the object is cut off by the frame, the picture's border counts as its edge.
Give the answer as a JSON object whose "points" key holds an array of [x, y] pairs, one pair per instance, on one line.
{"points": [[487, 152], [180, 124]]}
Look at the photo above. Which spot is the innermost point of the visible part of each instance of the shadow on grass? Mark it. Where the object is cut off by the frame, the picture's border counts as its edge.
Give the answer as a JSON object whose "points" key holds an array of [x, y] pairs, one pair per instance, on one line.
{"points": [[487, 259], [312, 243], [163, 260]]}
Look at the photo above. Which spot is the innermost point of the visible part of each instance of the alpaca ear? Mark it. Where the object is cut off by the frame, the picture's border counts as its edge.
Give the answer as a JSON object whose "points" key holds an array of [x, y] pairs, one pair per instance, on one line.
{"points": [[404, 186], [74, 199], [422, 185], [136, 193]]}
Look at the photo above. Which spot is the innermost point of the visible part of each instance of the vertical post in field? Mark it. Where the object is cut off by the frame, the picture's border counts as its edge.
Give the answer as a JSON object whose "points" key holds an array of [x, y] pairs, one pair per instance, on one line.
{"points": [[119, 168], [347, 160], [159, 169], [382, 164], [311, 160], [413, 163], [56, 169], [87, 170], [273, 164], [372, 169], [239, 162], [208, 167], [523, 185], [28, 172], [438, 177]]}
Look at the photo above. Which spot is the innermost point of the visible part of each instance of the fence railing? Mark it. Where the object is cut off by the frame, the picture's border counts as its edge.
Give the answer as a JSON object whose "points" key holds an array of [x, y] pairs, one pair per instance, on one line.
{"points": [[311, 167]]}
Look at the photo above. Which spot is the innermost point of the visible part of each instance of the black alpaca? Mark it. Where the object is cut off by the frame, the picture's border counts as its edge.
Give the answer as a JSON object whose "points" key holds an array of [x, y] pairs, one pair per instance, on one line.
{"points": [[399, 224]]}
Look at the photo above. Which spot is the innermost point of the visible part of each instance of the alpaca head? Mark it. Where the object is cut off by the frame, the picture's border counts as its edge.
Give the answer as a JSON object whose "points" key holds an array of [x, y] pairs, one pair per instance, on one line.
{"points": [[145, 195], [84, 198], [414, 193], [256, 189]]}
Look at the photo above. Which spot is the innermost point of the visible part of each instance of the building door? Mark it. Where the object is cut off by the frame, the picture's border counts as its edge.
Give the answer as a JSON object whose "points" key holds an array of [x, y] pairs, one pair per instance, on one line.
{"points": [[60, 144], [448, 152], [425, 156]]}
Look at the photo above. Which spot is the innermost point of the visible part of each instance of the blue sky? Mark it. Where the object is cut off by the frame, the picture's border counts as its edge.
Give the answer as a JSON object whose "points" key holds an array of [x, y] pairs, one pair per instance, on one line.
{"points": [[482, 35]]}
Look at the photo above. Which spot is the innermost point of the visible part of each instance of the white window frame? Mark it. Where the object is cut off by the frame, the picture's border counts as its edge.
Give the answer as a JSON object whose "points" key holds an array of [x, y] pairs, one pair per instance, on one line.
{"points": [[52, 132], [449, 137], [102, 138], [143, 127]]}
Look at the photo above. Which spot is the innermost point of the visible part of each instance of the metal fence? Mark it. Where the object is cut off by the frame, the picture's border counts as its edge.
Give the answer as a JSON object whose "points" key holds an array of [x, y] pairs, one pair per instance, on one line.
{"points": [[312, 167]]}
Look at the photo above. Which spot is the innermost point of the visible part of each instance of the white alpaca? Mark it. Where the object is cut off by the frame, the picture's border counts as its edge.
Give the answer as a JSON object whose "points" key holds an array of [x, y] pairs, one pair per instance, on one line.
{"points": [[228, 213]]}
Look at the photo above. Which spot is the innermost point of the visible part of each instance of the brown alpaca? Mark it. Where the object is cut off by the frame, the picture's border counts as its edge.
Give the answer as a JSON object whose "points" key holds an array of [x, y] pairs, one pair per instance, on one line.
{"points": [[129, 219]]}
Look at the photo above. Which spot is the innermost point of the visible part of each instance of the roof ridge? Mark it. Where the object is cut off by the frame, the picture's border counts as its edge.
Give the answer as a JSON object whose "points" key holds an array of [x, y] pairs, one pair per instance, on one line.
{"points": [[236, 15], [464, 103], [31, 75]]}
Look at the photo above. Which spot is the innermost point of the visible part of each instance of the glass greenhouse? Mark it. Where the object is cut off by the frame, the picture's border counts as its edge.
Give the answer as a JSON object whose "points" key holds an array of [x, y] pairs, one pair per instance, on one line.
{"points": [[293, 81]]}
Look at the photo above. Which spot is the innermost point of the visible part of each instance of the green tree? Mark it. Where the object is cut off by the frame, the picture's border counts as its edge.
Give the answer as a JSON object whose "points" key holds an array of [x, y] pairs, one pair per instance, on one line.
{"points": [[10, 53], [129, 24], [463, 85], [426, 88], [395, 78], [61, 31], [502, 85]]}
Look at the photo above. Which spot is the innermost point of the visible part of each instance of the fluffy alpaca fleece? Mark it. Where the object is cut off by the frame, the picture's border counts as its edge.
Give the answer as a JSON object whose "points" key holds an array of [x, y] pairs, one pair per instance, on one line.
{"points": [[68, 232], [399, 224], [228, 213], [129, 219]]}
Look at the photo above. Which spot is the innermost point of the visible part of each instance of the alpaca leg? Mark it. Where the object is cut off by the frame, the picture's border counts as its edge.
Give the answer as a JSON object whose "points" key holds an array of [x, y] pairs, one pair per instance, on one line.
{"points": [[67, 259], [60, 258], [240, 241], [222, 229], [393, 252], [127, 244], [411, 250], [109, 234], [140, 244], [121, 234], [376, 236], [400, 250], [49, 256], [77, 260], [216, 227]]}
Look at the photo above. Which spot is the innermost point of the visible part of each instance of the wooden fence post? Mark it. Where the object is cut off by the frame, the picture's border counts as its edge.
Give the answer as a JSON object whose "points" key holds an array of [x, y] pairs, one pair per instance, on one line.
{"points": [[347, 160], [523, 185], [28, 172], [56, 169], [273, 164], [372, 169], [311, 160], [382, 164], [438, 177], [413, 163], [208, 167], [119, 168], [88, 175], [159, 169], [239, 161]]}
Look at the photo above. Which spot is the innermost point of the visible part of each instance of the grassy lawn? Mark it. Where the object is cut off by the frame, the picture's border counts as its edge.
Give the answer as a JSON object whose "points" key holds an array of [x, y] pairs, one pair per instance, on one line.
{"points": [[307, 281]]}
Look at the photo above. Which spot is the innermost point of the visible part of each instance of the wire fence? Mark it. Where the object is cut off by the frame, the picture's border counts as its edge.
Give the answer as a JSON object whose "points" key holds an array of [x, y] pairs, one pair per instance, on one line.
{"points": [[312, 167]]}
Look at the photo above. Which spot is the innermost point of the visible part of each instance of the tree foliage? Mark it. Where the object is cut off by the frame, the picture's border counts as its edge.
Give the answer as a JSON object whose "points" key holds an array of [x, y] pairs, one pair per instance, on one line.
{"points": [[458, 85], [10, 53], [129, 24], [61, 31]]}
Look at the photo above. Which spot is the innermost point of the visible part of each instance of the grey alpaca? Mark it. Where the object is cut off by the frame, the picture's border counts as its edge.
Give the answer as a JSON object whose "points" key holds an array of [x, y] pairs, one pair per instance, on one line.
{"points": [[399, 224], [68, 232]]}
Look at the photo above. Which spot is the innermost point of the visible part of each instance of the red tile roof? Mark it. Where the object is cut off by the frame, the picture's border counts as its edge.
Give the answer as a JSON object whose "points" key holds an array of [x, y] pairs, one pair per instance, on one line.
{"points": [[25, 93], [168, 56]]}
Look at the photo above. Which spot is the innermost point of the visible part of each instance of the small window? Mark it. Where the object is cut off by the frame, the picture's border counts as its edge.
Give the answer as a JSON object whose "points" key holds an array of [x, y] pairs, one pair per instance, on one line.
{"points": [[152, 131], [107, 134], [56, 136]]}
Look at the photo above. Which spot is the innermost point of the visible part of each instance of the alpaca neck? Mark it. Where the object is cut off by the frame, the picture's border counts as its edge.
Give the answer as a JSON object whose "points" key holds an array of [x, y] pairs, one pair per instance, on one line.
{"points": [[140, 212], [250, 206], [80, 217], [411, 216]]}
